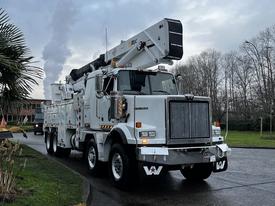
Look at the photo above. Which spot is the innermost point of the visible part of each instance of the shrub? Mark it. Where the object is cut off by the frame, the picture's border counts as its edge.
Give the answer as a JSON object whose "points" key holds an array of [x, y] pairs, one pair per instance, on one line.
{"points": [[8, 153]]}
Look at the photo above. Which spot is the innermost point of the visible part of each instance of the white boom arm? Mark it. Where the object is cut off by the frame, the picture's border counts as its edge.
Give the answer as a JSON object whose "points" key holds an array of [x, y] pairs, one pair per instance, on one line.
{"points": [[159, 43]]}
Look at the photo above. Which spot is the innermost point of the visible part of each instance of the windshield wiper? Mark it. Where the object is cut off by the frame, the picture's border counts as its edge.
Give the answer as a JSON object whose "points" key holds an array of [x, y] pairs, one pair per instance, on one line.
{"points": [[162, 91]]}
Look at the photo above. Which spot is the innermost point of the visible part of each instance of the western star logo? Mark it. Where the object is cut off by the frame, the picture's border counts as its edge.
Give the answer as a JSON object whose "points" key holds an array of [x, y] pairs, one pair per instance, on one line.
{"points": [[153, 170], [220, 165]]}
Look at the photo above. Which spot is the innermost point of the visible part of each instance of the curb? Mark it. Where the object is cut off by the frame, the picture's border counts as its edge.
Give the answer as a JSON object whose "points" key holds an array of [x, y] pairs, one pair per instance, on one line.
{"points": [[87, 191], [240, 147]]}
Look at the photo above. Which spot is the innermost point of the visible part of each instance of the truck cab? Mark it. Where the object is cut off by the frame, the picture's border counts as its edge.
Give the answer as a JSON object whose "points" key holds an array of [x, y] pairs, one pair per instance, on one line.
{"points": [[143, 110], [38, 121]]}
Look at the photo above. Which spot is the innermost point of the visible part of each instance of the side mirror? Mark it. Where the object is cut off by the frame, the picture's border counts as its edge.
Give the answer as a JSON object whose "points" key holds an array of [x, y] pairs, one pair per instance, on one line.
{"points": [[98, 84]]}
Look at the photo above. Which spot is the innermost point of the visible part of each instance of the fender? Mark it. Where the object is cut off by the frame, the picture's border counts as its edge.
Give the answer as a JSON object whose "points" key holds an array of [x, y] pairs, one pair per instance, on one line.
{"points": [[121, 134], [124, 131], [125, 138]]}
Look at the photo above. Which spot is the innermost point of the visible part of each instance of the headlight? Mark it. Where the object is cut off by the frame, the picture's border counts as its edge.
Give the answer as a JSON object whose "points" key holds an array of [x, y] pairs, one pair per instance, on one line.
{"points": [[36, 125], [143, 134], [152, 133], [147, 134], [217, 132]]}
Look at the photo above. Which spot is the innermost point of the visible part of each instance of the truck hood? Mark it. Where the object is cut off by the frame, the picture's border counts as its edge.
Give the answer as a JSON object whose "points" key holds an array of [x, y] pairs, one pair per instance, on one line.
{"points": [[150, 111]]}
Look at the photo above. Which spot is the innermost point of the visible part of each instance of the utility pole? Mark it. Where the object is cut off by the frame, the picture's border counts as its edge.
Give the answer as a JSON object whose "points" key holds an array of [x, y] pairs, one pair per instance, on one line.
{"points": [[261, 126]]}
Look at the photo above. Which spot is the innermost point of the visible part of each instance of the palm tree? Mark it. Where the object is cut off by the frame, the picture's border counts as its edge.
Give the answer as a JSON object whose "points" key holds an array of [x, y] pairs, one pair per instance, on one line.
{"points": [[18, 75]]}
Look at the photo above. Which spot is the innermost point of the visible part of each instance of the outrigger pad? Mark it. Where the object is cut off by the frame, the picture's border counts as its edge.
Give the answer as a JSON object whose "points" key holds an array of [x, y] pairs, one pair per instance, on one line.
{"points": [[5, 134]]}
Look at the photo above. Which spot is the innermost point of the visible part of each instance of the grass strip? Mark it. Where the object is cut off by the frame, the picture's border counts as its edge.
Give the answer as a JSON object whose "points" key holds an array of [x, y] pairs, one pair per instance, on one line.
{"points": [[45, 182], [250, 139]]}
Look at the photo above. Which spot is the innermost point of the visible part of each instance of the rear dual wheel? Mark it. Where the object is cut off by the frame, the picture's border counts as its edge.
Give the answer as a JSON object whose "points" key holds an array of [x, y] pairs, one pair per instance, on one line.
{"points": [[52, 147], [49, 143]]}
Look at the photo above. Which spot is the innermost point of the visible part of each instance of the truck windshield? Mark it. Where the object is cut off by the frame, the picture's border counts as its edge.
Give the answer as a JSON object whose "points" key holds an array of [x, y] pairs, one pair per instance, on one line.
{"points": [[146, 83]]}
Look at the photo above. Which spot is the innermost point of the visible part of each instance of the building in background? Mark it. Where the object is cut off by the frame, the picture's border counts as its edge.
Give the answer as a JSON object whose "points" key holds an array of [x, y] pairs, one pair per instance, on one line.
{"points": [[24, 110]]}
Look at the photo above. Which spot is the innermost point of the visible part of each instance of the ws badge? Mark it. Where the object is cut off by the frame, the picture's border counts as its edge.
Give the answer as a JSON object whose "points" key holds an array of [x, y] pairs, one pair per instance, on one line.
{"points": [[153, 170], [220, 165]]}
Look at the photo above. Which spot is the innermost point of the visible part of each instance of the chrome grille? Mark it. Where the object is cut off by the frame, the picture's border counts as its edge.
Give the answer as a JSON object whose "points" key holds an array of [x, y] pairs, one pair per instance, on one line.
{"points": [[188, 120]]}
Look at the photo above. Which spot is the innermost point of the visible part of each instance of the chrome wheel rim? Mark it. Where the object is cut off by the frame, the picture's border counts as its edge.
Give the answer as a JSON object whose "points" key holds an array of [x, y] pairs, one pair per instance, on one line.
{"points": [[117, 166], [92, 157]]}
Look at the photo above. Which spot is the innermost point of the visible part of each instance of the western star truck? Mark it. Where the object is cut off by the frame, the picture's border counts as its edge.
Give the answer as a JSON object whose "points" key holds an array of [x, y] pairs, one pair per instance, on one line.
{"points": [[120, 110]]}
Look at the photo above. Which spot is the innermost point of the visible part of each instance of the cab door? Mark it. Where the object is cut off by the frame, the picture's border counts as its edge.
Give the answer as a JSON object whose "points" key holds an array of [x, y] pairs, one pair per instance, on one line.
{"points": [[104, 100]]}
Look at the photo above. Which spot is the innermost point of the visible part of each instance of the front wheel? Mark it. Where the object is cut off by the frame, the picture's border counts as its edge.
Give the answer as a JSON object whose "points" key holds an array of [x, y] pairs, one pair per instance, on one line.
{"points": [[121, 167], [198, 172]]}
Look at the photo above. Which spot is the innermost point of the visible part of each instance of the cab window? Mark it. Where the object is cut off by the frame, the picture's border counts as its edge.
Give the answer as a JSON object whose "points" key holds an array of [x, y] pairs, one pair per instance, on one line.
{"points": [[108, 84]]}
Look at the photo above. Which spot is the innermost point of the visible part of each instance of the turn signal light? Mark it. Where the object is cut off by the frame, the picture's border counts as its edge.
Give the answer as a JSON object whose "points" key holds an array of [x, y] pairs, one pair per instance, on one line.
{"points": [[144, 141], [138, 125]]}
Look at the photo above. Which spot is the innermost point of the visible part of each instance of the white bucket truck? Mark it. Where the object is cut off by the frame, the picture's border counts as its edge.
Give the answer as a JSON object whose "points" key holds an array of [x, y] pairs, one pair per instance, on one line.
{"points": [[118, 111]]}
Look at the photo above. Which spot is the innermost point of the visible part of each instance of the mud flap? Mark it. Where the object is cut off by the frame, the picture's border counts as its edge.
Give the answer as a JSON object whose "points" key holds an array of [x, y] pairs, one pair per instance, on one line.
{"points": [[151, 169], [221, 165]]}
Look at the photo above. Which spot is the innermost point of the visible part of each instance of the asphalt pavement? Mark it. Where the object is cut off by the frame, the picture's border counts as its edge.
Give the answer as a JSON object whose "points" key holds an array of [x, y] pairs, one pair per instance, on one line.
{"points": [[249, 180]]}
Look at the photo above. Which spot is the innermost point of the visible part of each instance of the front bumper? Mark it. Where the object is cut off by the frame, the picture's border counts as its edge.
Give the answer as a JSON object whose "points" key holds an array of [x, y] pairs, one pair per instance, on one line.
{"points": [[183, 155]]}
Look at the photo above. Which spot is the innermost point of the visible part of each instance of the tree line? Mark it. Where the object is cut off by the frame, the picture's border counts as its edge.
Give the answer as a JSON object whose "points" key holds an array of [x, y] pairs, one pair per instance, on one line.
{"points": [[243, 79]]}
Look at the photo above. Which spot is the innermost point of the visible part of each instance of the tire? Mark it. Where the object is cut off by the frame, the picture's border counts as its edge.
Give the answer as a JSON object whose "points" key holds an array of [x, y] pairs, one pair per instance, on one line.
{"points": [[199, 172], [34, 133], [122, 167], [91, 158], [54, 142], [59, 151], [49, 143]]}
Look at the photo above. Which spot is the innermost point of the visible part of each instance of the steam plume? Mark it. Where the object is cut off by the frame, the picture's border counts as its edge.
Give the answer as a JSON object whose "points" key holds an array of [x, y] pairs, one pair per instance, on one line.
{"points": [[56, 52]]}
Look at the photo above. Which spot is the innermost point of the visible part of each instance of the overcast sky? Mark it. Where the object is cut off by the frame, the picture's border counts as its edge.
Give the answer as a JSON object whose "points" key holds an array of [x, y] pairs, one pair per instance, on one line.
{"points": [[73, 32]]}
